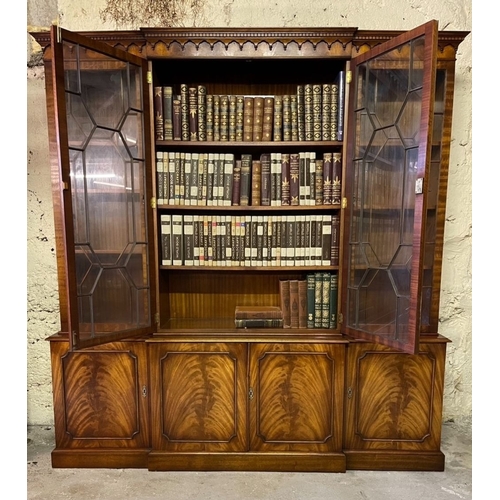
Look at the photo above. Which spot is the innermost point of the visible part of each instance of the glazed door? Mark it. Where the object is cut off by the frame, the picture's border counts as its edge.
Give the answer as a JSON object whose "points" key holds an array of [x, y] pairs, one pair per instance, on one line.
{"points": [[101, 111], [386, 184]]}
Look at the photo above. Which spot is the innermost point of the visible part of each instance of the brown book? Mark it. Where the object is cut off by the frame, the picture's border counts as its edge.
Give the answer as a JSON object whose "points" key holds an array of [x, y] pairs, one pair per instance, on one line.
{"points": [[209, 117], [202, 113], [327, 178], [167, 114], [158, 108], [308, 112], [246, 180], [248, 119], [278, 118], [302, 304], [176, 118], [319, 181], [256, 183], [232, 118], [285, 179], [294, 131], [184, 112], [294, 303], [258, 119], [216, 117], [240, 106], [284, 286], [287, 118], [224, 118], [265, 183], [300, 113], [336, 178], [193, 113], [235, 196], [268, 119], [254, 312], [294, 179]]}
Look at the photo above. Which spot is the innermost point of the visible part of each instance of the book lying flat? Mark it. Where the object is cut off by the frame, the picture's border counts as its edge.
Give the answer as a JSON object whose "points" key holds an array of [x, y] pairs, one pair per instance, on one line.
{"points": [[258, 323], [258, 312]]}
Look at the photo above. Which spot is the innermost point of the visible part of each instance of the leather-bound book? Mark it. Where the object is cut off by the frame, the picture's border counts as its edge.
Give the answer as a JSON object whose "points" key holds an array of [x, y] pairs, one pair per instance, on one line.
{"points": [[294, 303], [240, 106], [202, 113], [326, 110], [326, 240], [336, 178], [310, 279], [278, 119], [224, 118], [177, 240], [308, 112], [285, 179], [294, 118], [246, 179], [327, 178], [185, 112], [319, 181], [255, 194], [317, 112], [158, 109], [168, 128], [284, 288], [325, 300], [248, 118], [287, 118], [268, 119], [334, 111], [334, 291], [166, 236], [216, 116], [300, 113], [294, 179], [258, 118], [335, 240], [235, 194], [209, 119], [177, 118], [228, 168], [256, 312], [188, 240], [232, 118], [265, 184], [302, 304]]}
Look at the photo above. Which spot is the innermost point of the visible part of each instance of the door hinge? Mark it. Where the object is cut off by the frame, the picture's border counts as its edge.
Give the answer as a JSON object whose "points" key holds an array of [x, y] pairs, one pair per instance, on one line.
{"points": [[344, 202], [348, 77], [340, 319], [153, 202], [149, 77]]}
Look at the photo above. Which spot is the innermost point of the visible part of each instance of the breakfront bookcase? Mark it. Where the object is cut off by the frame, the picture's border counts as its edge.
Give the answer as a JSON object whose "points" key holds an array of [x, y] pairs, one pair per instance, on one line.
{"points": [[148, 369]]}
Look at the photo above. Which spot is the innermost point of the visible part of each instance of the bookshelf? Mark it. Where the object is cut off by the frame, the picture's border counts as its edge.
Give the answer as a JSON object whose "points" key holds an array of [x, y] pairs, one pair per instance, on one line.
{"points": [[172, 211]]}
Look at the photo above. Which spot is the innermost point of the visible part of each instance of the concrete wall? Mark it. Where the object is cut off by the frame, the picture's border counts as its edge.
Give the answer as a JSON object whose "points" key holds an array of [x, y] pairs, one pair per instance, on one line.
{"points": [[456, 298]]}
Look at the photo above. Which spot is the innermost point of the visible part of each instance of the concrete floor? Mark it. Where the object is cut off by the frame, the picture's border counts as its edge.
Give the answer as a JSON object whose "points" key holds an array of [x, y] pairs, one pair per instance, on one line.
{"points": [[45, 483]]}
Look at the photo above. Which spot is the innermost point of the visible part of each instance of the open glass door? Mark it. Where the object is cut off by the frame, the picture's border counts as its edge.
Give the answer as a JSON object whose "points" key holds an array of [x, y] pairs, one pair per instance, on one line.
{"points": [[101, 108], [388, 161]]}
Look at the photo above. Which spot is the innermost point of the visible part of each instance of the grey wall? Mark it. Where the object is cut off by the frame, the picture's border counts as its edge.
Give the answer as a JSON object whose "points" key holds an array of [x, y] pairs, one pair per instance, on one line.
{"points": [[87, 15]]}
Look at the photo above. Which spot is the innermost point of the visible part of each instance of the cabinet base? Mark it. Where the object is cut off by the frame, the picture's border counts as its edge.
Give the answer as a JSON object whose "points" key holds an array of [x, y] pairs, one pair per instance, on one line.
{"points": [[395, 460], [272, 462], [99, 458]]}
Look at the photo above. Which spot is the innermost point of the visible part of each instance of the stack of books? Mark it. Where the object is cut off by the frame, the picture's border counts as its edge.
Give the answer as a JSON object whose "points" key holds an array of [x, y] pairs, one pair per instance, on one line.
{"points": [[258, 317]]}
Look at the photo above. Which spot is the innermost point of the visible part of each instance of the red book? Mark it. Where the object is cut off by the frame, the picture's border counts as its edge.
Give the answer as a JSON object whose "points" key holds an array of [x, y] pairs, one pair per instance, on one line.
{"points": [[285, 179]]}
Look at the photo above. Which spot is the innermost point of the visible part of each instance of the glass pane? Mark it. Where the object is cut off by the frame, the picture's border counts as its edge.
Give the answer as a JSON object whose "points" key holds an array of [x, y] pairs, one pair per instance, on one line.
{"points": [[107, 169], [387, 127]]}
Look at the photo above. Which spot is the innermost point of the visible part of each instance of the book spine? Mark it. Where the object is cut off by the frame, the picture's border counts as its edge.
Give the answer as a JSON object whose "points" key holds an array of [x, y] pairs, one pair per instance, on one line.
{"points": [[319, 181], [235, 193], [302, 304], [202, 113], [259, 260], [210, 179], [168, 127], [258, 118], [188, 240], [228, 179], [334, 285], [265, 184], [278, 119], [202, 179], [254, 240], [335, 240], [285, 179], [302, 178], [248, 118], [327, 178], [294, 118], [325, 300], [185, 112], [290, 239], [287, 118], [171, 179], [240, 106], [177, 118], [318, 297], [224, 118], [326, 105], [158, 109], [340, 106], [177, 242], [294, 179], [216, 117], [196, 240], [334, 111], [246, 182], [268, 119], [209, 117], [311, 193], [300, 114], [227, 238], [193, 113], [166, 243], [187, 178], [336, 178], [258, 323], [256, 183], [308, 112], [195, 166], [317, 105], [310, 300], [232, 118], [160, 168], [326, 240], [247, 233], [206, 240], [294, 303], [284, 289]]}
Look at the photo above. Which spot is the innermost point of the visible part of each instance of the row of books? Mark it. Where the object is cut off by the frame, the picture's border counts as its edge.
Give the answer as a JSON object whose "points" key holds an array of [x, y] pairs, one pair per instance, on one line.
{"points": [[250, 240], [270, 179], [314, 112], [310, 303]]}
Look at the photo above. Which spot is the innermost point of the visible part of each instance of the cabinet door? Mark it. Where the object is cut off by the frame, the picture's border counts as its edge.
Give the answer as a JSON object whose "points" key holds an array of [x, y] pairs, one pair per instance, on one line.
{"points": [[296, 395], [394, 406], [100, 405], [100, 159], [390, 136], [199, 397]]}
